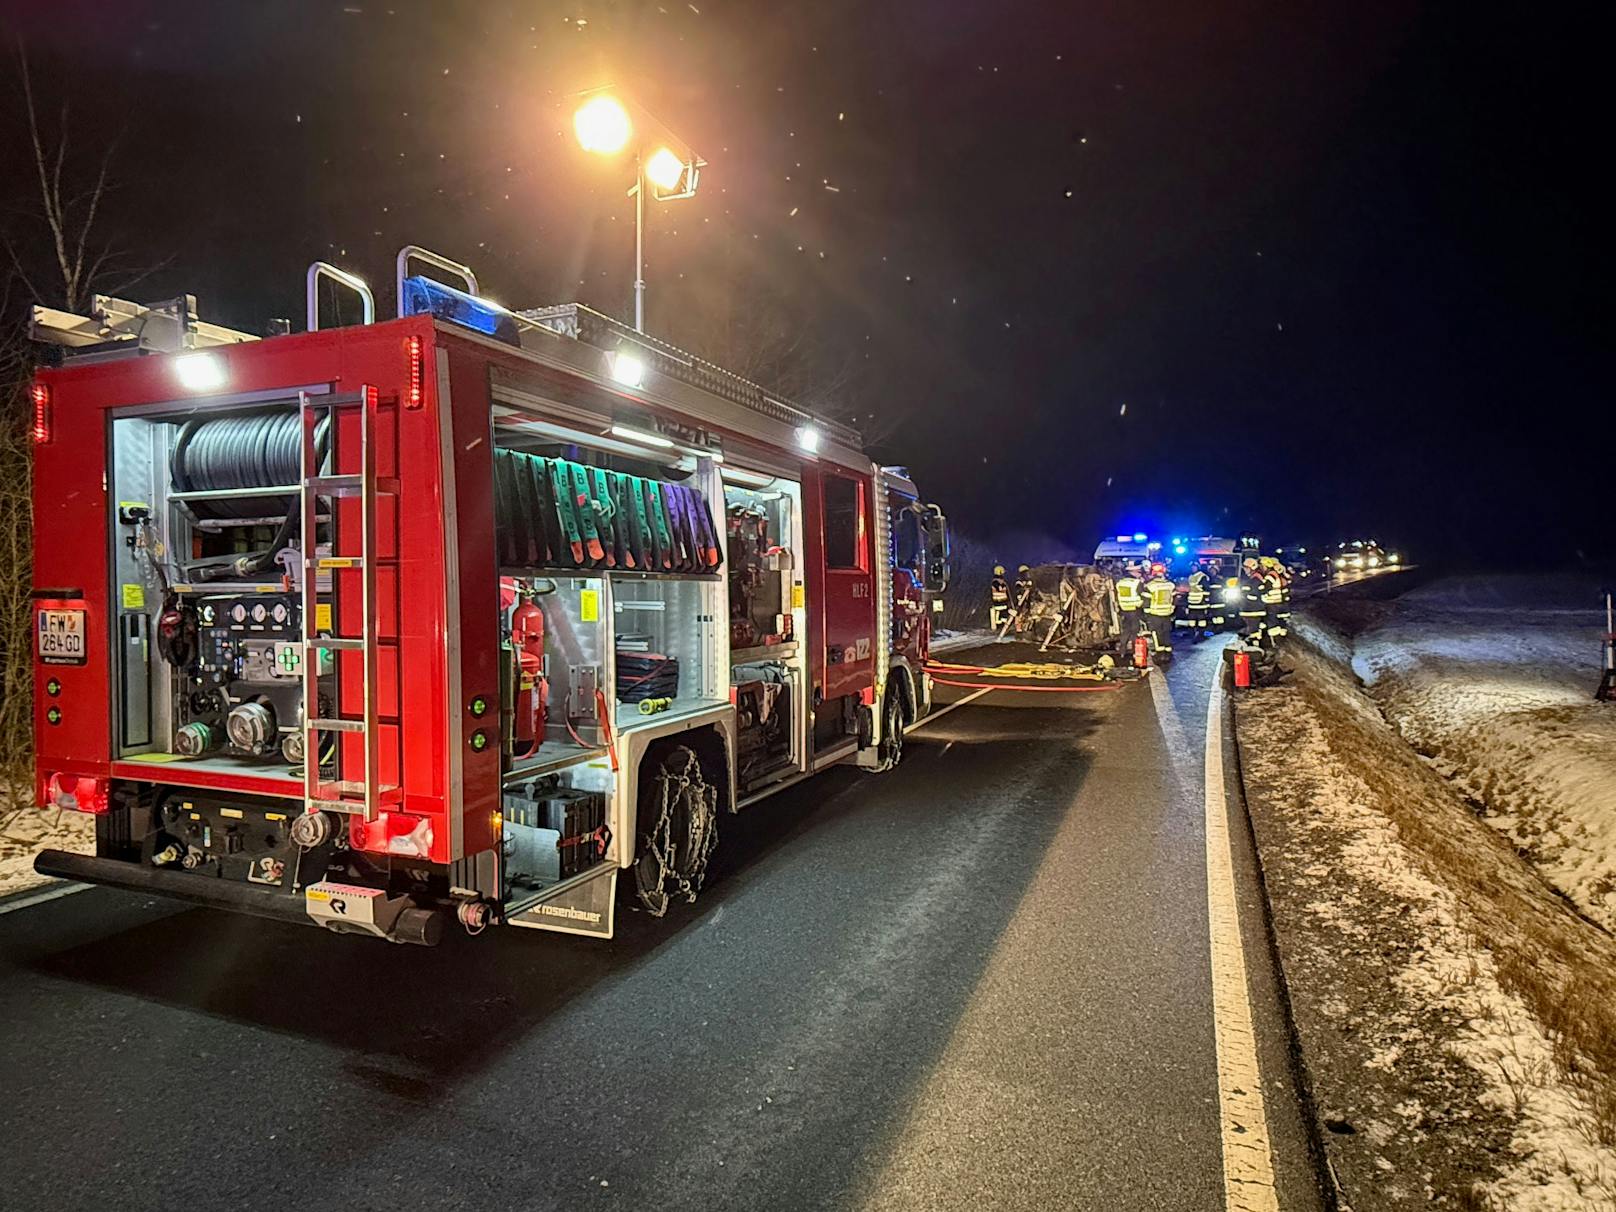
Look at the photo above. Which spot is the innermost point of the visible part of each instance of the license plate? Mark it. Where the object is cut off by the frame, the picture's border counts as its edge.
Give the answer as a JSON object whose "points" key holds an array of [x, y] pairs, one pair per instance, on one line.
{"points": [[61, 637]]}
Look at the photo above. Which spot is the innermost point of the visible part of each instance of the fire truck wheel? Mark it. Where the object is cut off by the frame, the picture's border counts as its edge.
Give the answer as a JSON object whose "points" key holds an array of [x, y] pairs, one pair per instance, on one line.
{"points": [[678, 827], [891, 752]]}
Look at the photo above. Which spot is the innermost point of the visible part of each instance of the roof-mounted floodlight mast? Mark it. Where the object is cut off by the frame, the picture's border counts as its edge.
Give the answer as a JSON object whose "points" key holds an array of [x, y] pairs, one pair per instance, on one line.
{"points": [[663, 164]]}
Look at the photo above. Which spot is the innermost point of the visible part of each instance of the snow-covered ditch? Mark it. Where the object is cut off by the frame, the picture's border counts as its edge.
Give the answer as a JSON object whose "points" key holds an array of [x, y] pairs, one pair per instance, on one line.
{"points": [[1436, 1083], [1492, 678]]}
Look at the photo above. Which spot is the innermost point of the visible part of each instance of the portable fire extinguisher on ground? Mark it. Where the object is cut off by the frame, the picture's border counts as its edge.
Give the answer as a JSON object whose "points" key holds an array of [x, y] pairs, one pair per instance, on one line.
{"points": [[1242, 670], [1141, 650]]}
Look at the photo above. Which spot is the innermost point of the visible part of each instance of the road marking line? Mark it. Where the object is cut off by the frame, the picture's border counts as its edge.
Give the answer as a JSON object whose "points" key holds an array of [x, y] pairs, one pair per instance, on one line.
{"points": [[26, 900], [937, 715], [1248, 1162]]}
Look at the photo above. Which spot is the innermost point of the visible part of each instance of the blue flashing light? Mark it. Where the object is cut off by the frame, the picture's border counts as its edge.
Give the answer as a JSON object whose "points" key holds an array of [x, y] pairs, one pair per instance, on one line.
{"points": [[1140, 538], [423, 296], [1179, 549]]}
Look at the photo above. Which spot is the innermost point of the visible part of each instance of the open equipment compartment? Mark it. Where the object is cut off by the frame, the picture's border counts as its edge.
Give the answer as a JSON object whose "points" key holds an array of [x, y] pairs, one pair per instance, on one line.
{"points": [[610, 594], [768, 673], [206, 561]]}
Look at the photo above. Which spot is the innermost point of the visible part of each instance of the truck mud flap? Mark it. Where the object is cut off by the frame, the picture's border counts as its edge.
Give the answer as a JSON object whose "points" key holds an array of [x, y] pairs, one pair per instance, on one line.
{"points": [[419, 926], [585, 904]]}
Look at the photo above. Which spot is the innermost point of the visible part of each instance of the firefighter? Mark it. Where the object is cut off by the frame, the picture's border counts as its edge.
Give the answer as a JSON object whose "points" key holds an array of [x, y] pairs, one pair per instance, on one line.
{"points": [[998, 599], [1023, 598], [1273, 596], [1284, 611], [1216, 600], [1252, 612], [1159, 592], [1197, 603], [1129, 603]]}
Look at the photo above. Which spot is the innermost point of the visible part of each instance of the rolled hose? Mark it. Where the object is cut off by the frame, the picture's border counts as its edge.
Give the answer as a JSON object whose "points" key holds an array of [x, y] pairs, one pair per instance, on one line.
{"points": [[254, 450]]}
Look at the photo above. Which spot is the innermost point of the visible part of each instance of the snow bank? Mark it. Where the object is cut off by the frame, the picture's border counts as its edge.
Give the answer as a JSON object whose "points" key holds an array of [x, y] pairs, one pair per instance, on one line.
{"points": [[1493, 678], [1429, 1060]]}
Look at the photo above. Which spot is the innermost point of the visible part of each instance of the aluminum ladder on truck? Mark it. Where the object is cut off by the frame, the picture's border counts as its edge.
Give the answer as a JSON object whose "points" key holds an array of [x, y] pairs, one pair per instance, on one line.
{"points": [[364, 796]]}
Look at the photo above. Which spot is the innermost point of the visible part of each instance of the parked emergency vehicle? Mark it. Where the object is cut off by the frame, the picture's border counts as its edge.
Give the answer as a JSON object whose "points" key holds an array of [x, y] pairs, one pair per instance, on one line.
{"points": [[453, 616]]}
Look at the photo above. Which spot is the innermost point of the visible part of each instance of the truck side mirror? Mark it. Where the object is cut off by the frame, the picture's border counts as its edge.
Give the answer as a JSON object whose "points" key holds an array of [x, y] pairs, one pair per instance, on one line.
{"points": [[937, 569]]}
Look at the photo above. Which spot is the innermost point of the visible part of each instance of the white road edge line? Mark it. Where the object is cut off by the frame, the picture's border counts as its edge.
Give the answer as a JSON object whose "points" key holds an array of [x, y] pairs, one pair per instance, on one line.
{"points": [[937, 715], [39, 898], [1248, 1161]]}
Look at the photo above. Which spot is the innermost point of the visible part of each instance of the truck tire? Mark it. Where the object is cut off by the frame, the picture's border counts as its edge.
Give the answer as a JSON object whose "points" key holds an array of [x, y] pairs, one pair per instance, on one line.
{"points": [[890, 752]]}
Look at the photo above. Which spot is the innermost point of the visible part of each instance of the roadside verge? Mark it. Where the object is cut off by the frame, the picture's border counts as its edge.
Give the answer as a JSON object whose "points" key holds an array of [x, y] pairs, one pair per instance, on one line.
{"points": [[1457, 1020]]}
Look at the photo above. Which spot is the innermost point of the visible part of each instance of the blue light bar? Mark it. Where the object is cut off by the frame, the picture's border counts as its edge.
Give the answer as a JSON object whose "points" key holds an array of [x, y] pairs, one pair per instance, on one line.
{"points": [[1140, 538], [423, 296]]}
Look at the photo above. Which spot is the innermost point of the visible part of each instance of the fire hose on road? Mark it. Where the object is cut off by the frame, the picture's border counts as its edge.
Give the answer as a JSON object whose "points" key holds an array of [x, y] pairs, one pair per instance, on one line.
{"points": [[1094, 677]]}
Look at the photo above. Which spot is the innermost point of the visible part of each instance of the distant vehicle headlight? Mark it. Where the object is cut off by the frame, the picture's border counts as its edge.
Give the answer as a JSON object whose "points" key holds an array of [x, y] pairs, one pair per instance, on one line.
{"points": [[1394, 559], [1341, 561], [1374, 561]]}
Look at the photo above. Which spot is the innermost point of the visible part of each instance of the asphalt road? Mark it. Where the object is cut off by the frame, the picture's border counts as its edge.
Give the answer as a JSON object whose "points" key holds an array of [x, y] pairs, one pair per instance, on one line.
{"points": [[980, 981]]}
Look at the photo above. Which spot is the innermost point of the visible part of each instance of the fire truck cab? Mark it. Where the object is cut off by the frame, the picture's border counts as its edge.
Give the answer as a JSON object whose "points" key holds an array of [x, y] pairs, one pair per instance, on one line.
{"points": [[454, 616]]}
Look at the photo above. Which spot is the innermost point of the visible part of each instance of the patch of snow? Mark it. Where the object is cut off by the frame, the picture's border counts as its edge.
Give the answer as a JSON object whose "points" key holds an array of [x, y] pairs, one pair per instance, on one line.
{"points": [[25, 831], [1493, 679], [1557, 1165]]}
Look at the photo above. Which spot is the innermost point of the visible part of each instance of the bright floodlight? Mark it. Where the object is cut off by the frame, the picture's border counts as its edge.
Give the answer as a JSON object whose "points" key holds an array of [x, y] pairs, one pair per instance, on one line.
{"points": [[627, 369], [199, 372], [602, 125], [665, 169], [808, 439]]}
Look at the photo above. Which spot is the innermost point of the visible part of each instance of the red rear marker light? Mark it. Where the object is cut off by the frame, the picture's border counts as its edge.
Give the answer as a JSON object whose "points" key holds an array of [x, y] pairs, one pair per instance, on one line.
{"points": [[76, 793], [43, 421], [416, 396]]}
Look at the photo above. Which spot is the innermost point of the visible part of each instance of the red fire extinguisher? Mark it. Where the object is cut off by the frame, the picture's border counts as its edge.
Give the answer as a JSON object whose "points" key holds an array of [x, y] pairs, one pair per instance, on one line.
{"points": [[1141, 650], [532, 691], [1242, 670]]}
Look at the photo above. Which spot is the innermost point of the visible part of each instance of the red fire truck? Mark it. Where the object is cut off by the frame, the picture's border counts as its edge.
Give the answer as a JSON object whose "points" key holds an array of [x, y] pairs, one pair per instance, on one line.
{"points": [[452, 616]]}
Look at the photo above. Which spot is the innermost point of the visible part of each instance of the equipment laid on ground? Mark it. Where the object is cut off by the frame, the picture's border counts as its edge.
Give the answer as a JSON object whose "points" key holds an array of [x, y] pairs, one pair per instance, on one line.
{"points": [[429, 619]]}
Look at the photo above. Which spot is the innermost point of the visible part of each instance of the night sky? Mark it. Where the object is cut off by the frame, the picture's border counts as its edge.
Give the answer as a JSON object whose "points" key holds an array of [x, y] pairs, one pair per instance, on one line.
{"points": [[1313, 270]]}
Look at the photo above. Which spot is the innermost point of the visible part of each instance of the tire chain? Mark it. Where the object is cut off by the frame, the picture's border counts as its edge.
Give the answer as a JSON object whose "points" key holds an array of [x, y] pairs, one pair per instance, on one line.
{"points": [[701, 819]]}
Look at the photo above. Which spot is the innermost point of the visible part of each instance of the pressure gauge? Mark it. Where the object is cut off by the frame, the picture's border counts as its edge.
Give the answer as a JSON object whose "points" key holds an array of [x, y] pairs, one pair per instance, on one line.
{"points": [[260, 612], [238, 613], [207, 615], [280, 614]]}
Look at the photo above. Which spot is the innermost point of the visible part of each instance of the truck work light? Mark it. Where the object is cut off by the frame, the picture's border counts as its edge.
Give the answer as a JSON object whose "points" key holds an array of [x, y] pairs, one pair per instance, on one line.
{"points": [[199, 372]]}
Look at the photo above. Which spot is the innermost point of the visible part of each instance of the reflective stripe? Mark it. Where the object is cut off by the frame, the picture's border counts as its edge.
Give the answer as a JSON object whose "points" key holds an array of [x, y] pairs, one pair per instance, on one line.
{"points": [[1128, 593]]}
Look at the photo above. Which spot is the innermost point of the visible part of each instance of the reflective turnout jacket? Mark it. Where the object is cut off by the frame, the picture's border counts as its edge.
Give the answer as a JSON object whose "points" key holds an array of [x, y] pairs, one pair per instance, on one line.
{"points": [[1159, 593], [1128, 594], [1196, 593]]}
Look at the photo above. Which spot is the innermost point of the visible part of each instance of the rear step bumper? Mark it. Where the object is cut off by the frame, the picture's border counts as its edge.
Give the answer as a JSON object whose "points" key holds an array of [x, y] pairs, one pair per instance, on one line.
{"points": [[423, 926]]}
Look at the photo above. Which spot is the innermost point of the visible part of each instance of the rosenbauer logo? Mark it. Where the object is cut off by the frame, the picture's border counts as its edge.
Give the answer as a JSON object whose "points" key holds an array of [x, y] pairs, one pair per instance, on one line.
{"points": [[571, 914]]}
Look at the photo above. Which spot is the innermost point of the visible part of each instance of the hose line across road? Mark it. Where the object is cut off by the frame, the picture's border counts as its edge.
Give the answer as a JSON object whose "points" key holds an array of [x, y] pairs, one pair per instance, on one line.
{"points": [[996, 977]]}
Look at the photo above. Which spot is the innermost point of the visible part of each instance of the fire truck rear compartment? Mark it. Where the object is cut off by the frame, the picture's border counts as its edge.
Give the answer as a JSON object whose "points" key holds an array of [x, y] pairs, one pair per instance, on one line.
{"points": [[209, 658]]}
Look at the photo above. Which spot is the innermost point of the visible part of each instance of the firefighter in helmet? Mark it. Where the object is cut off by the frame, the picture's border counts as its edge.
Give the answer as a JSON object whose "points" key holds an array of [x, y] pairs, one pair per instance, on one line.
{"points": [[1022, 598], [1130, 600], [1273, 598], [1252, 611], [1159, 593], [1198, 602], [998, 599], [1217, 597]]}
